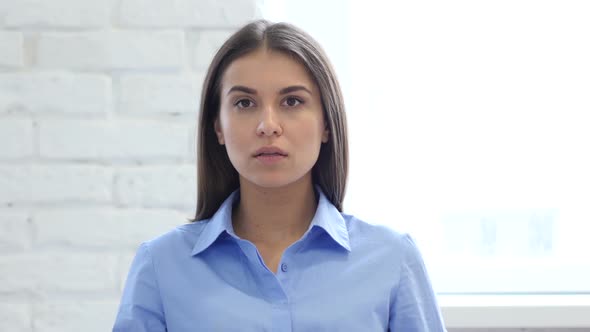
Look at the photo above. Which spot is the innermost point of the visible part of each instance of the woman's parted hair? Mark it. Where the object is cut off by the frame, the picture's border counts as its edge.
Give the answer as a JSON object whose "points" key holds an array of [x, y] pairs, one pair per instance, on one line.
{"points": [[216, 176]]}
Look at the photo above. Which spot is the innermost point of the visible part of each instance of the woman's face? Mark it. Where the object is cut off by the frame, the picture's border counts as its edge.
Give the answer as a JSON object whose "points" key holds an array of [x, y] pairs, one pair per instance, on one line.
{"points": [[270, 119]]}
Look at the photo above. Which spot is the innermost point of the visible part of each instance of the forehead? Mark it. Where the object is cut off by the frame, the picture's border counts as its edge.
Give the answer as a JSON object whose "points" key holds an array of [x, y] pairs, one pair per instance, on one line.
{"points": [[268, 68]]}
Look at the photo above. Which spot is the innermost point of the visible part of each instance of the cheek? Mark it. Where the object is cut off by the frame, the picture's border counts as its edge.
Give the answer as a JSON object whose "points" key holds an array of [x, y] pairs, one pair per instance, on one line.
{"points": [[235, 135], [311, 133]]}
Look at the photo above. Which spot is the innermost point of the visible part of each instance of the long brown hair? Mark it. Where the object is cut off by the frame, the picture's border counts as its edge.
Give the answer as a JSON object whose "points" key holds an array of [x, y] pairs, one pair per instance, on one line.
{"points": [[216, 176]]}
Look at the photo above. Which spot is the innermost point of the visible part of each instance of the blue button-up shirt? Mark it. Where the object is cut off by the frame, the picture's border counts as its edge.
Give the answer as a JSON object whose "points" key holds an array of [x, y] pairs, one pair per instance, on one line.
{"points": [[342, 275]]}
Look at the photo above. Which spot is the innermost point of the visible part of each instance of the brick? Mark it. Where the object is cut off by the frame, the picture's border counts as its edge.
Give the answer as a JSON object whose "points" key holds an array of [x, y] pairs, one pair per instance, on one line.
{"points": [[56, 272], [55, 183], [187, 13], [16, 138], [14, 231], [157, 186], [153, 13], [11, 49], [54, 92], [112, 50], [75, 316], [205, 44], [160, 94], [58, 13], [100, 228], [104, 140], [15, 317]]}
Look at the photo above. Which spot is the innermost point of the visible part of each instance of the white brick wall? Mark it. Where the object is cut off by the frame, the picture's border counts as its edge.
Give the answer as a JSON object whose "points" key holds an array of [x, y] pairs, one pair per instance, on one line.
{"points": [[80, 315], [98, 109], [205, 44], [57, 14], [54, 272], [112, 50], [159, 93], [186, 13], [11, 53], [23, 184], [119, 228], [37, 91], [16, 138], [156, 186], [16, 317], [73, 139], [15, 231]]}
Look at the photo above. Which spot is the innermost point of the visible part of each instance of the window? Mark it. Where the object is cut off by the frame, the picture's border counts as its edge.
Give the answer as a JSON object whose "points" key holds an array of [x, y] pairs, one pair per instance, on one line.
{"points": [[470, 129]]}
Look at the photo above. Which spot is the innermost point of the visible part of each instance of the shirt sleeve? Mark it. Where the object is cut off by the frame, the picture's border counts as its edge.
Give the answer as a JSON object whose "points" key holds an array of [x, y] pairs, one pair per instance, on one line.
{"points": [[413, 303], [141, 306]]}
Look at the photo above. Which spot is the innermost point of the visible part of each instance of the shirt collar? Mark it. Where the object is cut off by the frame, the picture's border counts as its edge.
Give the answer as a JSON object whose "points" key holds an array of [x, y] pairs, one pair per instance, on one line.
{"points": [[327, 217], [220, 222]]}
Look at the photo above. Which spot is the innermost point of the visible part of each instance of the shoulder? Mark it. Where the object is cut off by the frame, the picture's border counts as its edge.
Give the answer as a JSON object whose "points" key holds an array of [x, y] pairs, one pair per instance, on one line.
{"points": [[362, 231], [178, 240], [367, 238]]}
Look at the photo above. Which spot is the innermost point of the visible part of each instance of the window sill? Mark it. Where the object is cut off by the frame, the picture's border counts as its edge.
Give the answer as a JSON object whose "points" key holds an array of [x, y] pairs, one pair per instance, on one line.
{"points": [[515, 311]]}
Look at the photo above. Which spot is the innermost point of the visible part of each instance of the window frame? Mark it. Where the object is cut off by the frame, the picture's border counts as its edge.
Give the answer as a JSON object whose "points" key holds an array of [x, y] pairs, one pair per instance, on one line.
{"points": [[516, 311]]}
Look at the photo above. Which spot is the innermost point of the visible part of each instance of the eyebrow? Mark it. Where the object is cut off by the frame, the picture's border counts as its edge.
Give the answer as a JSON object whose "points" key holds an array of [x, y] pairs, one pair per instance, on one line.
{"points": [[283, 91], [294, 88], [242, 88]]}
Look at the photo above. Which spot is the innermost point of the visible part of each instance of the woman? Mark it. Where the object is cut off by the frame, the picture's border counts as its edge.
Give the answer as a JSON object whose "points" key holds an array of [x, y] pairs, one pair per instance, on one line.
{"points": [[269, 248]]}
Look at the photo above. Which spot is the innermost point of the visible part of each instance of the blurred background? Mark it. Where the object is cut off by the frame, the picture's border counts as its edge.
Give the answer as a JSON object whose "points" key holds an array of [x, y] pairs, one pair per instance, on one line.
{"points": [[468, 127]]}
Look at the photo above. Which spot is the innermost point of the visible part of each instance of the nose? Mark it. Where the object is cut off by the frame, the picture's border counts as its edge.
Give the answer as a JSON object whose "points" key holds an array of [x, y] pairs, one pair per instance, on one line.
{"points": [[269, 124]]}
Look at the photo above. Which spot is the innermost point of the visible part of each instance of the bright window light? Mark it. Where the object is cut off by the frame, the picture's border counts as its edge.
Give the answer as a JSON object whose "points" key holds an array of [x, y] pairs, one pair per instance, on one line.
{"points": [[469, 126]]}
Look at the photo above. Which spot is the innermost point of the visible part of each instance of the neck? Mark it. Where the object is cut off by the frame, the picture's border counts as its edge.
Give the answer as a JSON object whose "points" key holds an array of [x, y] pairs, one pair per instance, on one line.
{"points": [[274, 217]]}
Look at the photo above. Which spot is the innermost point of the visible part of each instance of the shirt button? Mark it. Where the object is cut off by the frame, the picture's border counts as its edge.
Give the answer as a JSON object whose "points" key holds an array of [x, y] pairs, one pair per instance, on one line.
{"points": [[284, 267]]}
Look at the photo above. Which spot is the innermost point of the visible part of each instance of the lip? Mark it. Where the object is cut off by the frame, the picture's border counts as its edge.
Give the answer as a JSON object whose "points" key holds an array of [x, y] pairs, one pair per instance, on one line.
{"points": [[269, 150], [269, 155]]}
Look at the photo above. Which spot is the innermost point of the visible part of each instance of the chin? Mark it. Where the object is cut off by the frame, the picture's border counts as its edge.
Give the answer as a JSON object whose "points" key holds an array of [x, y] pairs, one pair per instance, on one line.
{"points": [[273, 181], [270, 183]]}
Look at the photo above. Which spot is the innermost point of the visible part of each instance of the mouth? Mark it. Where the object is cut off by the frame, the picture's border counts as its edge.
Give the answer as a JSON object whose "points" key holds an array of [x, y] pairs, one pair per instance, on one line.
{"points": [[269, 155], [270, 151]]}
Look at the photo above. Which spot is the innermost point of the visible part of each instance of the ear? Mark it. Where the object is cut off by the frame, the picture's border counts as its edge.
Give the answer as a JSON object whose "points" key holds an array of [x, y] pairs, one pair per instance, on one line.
{"points": [[326, 135], [218, 132]]}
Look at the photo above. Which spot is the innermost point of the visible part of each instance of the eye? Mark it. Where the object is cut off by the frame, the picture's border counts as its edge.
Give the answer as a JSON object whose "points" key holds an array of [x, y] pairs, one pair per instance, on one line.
{"points": [[244, 103], [292, 101]]}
